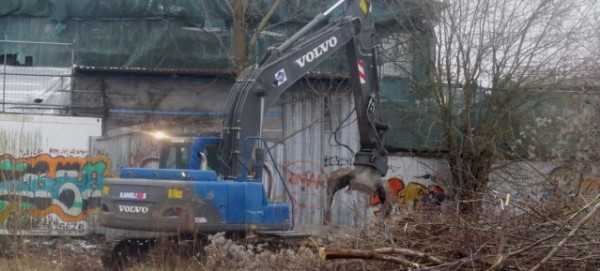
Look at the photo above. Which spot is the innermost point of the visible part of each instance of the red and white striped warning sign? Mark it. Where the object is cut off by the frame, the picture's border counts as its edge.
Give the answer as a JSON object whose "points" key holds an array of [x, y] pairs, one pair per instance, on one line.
{"points": [[361, 72]]}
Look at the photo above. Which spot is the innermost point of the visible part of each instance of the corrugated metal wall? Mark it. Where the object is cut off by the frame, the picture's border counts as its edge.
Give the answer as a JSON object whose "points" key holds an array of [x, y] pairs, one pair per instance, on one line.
{"points": [[135, 149], [348, 207], [321, 135], [309, 153]]}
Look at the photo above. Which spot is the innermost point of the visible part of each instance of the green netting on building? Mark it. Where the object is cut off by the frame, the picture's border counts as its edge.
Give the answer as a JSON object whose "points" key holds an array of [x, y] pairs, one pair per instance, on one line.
{"points": [[411, 117], [148, 34], [194, 35], [144, 43], [191, 11]]}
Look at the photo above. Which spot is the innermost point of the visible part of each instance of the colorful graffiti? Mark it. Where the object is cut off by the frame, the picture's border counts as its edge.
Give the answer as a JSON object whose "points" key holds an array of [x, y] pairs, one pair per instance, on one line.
{"points": [[52, 193], [571, 181], [411, 196], [308, 179]]}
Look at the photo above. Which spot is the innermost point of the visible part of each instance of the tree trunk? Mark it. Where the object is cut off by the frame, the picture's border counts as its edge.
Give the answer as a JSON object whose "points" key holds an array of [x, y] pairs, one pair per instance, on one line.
{"points": [[239, 36], [470, 179]]}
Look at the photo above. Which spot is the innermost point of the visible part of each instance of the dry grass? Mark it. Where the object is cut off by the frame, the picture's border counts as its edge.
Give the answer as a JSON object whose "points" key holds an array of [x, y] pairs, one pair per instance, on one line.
{"points": [[525, 236], [43, 253]]}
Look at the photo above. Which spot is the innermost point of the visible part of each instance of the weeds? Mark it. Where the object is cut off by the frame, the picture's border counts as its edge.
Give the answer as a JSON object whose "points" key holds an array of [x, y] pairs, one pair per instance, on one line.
{"points": [[556, 235]]}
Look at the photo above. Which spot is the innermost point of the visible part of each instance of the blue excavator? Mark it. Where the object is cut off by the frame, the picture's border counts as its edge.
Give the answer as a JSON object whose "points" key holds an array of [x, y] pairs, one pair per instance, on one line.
{"points": [[206, 185]]}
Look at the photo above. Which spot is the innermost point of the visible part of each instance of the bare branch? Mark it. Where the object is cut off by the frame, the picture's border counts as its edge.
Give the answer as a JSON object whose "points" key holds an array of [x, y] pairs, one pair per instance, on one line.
{"points": [[262, 24], [571, 234]]}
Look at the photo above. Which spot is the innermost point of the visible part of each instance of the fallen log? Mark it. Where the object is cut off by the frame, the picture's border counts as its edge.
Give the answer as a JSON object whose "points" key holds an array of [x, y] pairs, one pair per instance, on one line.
{"points": [[389, 254], [408, 252], [340, 253]]}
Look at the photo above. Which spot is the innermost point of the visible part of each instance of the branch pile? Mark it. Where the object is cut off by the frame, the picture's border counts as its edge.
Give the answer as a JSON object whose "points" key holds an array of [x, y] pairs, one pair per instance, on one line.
{"points": [[561, 235]]}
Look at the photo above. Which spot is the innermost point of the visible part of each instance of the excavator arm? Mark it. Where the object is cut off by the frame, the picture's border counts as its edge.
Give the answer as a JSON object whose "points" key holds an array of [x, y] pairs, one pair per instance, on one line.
{"points": [[259, 86]]}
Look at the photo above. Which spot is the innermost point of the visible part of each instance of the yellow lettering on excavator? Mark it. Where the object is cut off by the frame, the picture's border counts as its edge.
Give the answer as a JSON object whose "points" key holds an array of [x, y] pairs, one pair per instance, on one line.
{"points": [[175, 193], [364, 6]]}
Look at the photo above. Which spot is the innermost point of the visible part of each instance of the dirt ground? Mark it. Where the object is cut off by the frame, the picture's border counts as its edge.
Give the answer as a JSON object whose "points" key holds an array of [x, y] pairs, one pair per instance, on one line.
{"points": [[45, 253], [77, 254]]}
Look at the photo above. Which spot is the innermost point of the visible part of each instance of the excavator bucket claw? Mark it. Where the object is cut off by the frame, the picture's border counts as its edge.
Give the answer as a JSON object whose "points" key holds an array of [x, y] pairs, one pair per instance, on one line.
{"points": [[363, 179]]}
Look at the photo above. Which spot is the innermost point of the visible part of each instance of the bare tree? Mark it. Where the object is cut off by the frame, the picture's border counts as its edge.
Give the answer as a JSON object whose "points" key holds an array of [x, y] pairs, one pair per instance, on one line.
{"points": [[242, 42], [494, 62]]}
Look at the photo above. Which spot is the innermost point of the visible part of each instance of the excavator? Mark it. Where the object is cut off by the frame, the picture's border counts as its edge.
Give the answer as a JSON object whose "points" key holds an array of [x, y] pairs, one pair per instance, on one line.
{"points": [[195, 200]]}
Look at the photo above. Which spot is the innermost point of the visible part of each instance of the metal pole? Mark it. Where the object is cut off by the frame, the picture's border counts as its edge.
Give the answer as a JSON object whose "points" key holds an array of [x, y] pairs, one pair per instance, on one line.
{"points": [[71, 81], [262, 115], [333, 7], [34, 42], [4, 77], [315, 21]]}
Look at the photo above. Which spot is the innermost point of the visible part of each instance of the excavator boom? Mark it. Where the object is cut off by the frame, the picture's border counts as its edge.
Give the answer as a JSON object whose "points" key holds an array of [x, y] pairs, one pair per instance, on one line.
{"points": [[260, 85]]}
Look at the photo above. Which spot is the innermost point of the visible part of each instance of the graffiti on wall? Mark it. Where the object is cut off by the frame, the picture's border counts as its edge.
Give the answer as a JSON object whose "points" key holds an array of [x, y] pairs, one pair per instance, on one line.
{"points": [[337, 161], [572, 181], [559, 182], [304, 173], [51, 194], [414, 195], [306, 180], [411, 196], [53, 152]]}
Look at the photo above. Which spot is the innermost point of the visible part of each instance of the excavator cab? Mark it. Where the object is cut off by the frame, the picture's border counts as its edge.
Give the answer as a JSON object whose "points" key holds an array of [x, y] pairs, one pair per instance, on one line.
{"points": [[189, 153], [175, 155]]}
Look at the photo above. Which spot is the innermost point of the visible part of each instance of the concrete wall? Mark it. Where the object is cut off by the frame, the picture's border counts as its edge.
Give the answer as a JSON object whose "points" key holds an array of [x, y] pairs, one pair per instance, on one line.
{"points": [[187, 104], [50, 179]]}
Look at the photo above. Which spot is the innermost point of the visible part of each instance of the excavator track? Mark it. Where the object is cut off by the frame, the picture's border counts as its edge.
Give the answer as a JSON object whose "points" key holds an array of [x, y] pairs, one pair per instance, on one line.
{"points": [[120, 254], [276, 240]]}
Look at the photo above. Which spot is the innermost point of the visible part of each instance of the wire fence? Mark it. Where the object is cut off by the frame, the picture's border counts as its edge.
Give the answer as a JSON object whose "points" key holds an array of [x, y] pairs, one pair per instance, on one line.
{"points": [[27, 85]]}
